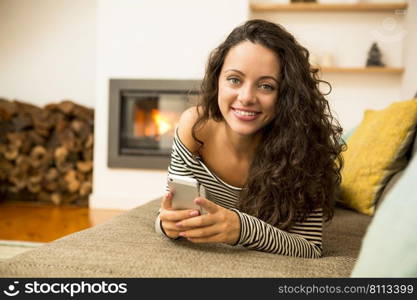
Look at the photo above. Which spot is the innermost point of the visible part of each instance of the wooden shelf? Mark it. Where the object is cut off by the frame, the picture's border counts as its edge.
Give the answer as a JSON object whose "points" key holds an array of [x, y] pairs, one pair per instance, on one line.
{"points": [[356, 7], [364, 70]]}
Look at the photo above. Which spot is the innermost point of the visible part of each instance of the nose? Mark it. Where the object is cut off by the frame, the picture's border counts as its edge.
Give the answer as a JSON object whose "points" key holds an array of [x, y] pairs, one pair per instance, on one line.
{"points": [[246, 94]]}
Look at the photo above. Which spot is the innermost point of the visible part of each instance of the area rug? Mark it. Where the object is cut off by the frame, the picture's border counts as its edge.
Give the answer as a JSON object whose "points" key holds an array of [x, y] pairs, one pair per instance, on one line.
{"points": [[9, 249]]}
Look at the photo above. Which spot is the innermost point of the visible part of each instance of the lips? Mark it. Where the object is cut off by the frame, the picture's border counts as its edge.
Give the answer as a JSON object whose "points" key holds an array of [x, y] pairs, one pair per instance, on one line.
{"points": [[245, 114], [245, 110]]}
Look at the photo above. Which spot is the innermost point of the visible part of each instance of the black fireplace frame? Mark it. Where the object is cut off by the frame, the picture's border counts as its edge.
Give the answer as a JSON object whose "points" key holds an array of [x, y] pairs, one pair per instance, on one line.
{"points": [[115, 159]]}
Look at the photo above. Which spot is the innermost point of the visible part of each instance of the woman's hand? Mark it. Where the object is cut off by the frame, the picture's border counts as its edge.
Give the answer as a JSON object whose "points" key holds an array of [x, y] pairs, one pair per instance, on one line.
{"points": [[170, 217], [219, 225]]}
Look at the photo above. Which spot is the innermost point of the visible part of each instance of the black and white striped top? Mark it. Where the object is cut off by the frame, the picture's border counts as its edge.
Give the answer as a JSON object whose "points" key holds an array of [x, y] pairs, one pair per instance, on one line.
{"points": [[302, 240]]}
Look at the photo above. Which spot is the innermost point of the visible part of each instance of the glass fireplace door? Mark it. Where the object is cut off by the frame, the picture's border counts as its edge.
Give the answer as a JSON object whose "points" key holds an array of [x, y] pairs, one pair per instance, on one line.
{"points": [[149, 120]]}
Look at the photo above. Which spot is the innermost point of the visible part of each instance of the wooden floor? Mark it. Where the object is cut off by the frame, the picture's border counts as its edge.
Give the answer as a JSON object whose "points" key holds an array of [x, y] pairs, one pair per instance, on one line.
{"points": [[44, 223]]}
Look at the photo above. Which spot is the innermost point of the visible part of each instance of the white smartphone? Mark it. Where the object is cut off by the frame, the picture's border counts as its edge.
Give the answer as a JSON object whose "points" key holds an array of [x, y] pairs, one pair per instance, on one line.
{"points": [[185, 190]]}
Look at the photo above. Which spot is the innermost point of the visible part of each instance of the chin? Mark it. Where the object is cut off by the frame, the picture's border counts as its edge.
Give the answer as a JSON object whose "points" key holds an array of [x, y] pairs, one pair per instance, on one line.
{"points": [[244, 129]]}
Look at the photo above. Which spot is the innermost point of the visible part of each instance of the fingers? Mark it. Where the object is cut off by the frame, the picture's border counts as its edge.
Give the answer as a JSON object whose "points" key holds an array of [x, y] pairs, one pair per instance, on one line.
{"points": [[203, 232], [221, 227], [167, 201], [171, 226], [201, 221], [207, 205], [190, 224], [178, 215], [170, 218]]}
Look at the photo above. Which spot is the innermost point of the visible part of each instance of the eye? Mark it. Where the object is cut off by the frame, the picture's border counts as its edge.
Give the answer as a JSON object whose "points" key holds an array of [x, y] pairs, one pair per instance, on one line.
{"points": [[233, 80], [267, 87]]}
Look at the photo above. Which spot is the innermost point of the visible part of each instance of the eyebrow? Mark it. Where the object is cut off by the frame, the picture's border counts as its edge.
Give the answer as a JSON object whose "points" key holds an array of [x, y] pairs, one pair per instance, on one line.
{"points": [[262, 77]]}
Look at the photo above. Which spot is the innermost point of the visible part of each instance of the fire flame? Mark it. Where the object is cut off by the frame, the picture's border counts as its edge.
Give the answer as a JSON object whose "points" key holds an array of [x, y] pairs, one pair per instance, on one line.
{"points": [[162, 124]]}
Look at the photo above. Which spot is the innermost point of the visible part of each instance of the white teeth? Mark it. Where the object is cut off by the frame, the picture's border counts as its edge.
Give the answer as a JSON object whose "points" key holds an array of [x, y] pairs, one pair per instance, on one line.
{"points": [[245, 113]]}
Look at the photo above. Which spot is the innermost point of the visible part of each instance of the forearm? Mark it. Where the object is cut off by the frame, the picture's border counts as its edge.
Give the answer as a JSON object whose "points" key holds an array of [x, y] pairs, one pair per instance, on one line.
{"points": [[258, 235]]}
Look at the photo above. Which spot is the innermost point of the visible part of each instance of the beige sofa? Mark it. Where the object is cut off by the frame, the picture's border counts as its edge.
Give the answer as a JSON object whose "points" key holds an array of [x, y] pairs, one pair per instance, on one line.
{"points": [[127, 246]]}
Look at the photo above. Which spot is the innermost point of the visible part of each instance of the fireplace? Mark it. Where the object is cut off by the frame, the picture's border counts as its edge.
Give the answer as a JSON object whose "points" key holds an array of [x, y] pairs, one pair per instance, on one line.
{"points": [[143, 115]]}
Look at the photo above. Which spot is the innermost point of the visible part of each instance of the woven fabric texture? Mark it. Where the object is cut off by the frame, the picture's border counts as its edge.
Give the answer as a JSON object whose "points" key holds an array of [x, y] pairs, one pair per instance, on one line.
{"points": [[127, 246]]}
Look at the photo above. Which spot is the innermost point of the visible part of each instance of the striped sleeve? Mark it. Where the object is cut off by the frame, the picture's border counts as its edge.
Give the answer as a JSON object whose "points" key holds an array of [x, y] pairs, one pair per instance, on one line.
{"points": [[177, 166], [302, 240]]}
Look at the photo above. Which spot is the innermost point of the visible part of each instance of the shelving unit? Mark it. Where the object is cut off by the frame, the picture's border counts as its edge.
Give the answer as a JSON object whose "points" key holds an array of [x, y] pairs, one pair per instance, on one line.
{"points": [[396, 7], [310, 7], [364, 70]]}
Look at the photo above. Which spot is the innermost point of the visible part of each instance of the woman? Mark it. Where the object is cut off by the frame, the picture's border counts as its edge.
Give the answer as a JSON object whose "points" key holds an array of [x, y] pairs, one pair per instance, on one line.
{"points": [[264, 145]]}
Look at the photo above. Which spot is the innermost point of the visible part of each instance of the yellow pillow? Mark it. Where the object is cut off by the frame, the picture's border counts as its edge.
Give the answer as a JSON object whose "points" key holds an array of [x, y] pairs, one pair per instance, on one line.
{"points": [[376, 151]]}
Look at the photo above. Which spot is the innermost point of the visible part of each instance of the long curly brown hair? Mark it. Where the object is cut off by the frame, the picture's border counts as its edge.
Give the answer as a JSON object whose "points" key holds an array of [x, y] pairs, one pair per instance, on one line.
{"points": [[297, 165]]}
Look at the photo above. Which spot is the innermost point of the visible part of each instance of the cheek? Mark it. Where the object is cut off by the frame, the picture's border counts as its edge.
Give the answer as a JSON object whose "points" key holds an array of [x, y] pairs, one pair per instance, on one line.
{"points": [[270, 107], [225, 96], [220, 99], [220, 94], [222, 102]]}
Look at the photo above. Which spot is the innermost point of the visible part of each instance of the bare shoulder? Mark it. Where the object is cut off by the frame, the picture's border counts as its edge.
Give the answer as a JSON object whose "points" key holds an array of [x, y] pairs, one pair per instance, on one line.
{"points": [[187, 120]]}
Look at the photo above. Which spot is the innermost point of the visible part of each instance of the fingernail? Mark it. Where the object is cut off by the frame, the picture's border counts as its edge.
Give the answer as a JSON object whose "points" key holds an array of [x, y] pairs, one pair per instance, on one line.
{"points": [[167, 195], [197, 200], [179, 224], [194, 213], [182, 233]]}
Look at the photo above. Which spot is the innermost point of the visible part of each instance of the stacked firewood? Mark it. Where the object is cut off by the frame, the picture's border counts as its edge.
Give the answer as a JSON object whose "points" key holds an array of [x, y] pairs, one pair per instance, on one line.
{"points": [[46, 154]]}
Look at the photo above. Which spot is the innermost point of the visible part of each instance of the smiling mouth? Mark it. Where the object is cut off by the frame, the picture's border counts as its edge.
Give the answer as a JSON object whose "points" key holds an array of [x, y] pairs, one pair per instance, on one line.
{"points": [[245, 113], [245, 116]]}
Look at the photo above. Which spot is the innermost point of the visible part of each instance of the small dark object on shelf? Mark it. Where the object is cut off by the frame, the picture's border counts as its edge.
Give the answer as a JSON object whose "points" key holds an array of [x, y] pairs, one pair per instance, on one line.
{"points": [[374, 57]]}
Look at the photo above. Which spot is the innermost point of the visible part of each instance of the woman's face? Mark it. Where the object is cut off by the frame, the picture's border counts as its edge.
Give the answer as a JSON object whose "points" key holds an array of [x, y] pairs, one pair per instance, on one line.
{"points": [[248, 87]]}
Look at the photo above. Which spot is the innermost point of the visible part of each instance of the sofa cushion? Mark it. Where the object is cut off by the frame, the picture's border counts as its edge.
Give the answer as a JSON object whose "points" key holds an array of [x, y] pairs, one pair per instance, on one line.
{"points": [[376, 151], [127, 246], [389, 246]]}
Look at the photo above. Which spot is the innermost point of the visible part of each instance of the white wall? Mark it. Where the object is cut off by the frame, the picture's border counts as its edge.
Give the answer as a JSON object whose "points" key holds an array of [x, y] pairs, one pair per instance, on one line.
{"points": [[409, 84], [47, 50], [150, 39]]}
